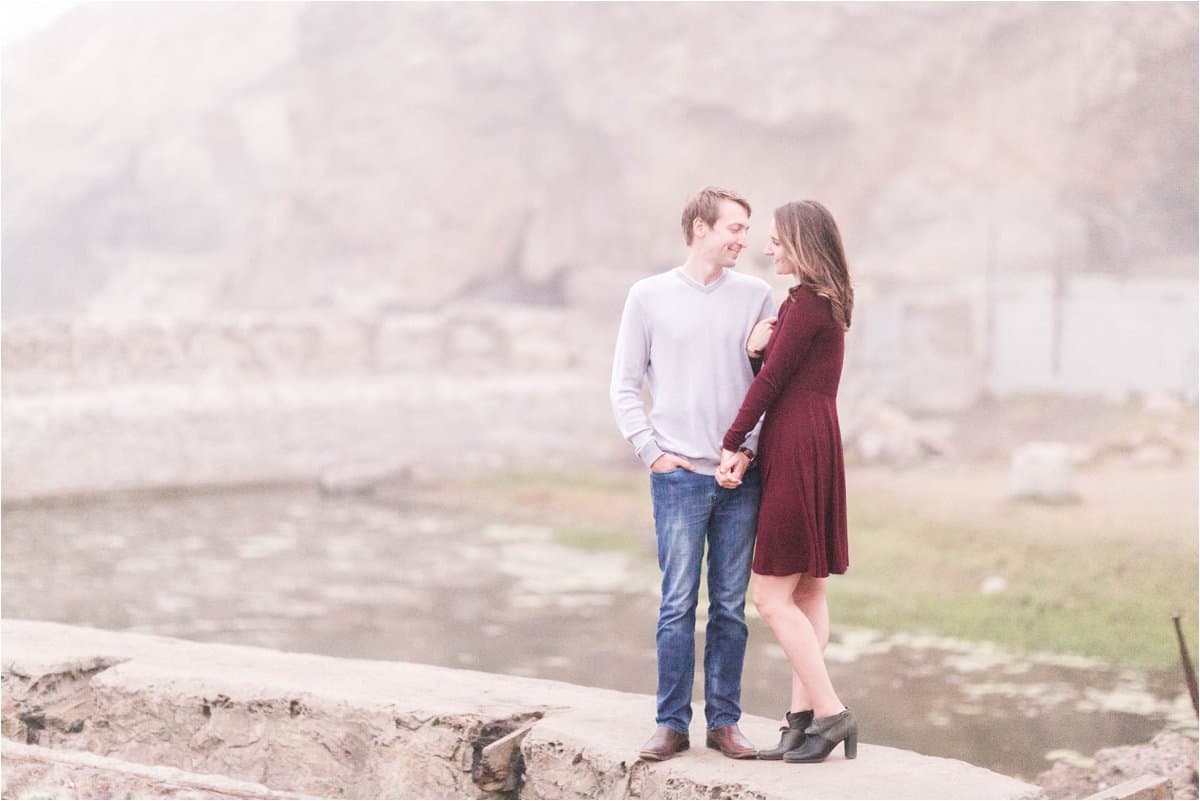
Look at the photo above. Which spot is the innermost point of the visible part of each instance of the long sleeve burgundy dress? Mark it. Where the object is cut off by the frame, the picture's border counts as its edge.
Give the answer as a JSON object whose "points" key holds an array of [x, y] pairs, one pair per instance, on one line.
{"points": [[802, 515]]}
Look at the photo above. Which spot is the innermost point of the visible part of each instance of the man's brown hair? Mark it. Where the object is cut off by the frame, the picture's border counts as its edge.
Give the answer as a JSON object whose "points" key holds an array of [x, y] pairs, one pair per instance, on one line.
{"points": [[706, 205]]}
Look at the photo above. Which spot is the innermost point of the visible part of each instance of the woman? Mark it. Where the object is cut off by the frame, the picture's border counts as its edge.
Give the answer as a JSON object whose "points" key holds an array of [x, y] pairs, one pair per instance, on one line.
{"points": [[802, 515]]}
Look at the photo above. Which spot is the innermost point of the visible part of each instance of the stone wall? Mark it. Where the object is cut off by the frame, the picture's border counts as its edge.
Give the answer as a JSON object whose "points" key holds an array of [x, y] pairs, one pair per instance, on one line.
{"points": [[48, 355], [91, 407], [343, 728]]}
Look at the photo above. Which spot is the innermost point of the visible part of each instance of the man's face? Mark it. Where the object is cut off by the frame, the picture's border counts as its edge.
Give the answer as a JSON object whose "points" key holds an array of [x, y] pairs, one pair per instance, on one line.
{"points": [[727, 237]]}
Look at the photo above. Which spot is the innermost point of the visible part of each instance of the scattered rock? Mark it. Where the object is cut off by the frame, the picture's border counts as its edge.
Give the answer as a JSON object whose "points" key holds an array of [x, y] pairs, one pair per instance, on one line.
{"points": [[360, 478], [1152, 455], [1068, 756], [993, 585], [1170, 755], [1164, 445], [1042, 471], [878, 432], [1085, 455], [1148, 787]]}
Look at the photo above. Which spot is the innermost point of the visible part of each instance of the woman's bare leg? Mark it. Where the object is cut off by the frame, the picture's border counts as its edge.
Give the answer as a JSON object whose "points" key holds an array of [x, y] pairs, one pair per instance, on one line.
{"points": [[775, 601], [809, 596]]}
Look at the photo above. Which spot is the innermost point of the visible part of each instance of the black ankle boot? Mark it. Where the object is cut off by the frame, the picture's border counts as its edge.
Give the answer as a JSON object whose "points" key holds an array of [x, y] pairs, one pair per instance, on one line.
{"points": [[792, 737], [823, 735]]}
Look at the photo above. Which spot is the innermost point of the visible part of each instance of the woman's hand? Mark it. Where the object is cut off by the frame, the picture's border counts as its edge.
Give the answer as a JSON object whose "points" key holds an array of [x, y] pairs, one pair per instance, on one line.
{"points": [[729, 474], [759, 336]]}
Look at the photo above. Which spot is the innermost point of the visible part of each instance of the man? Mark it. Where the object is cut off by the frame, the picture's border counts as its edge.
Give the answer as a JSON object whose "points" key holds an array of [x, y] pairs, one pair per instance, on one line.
{"points": [[685, 331]]}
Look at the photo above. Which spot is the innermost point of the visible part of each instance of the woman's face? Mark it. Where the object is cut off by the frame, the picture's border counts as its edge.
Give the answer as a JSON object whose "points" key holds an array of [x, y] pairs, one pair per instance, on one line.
{"points": [[774, 250]]}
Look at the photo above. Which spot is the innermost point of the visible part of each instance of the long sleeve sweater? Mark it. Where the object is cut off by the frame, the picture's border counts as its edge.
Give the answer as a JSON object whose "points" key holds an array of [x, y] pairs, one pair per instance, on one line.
{"points": [[687, 341]]}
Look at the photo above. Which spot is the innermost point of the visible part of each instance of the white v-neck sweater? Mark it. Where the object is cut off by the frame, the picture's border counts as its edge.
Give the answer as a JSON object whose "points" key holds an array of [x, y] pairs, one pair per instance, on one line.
{"points": [[688, 342]]}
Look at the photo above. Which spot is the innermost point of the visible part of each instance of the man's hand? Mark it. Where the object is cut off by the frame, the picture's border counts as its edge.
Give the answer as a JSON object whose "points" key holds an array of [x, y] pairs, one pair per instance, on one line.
{"points": [[733, 467], [668, 462], [760, 335]]}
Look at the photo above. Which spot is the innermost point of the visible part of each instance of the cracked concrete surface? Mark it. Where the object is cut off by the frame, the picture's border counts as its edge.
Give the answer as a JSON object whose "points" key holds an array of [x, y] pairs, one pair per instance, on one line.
{"points": [[34, 772], [351, 728]]}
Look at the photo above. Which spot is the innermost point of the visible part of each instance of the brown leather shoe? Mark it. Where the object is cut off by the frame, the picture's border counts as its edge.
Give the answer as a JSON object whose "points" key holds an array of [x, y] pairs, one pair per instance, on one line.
{"points": [[665, 744], [732, 743]]}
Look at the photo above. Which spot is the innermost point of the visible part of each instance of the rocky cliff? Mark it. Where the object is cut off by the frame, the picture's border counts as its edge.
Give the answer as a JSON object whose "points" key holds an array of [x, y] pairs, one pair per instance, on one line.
{"points": [[181, 158]]}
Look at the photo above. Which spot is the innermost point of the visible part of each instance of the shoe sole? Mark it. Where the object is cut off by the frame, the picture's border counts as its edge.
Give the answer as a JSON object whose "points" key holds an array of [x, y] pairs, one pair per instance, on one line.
{"points": [[750, 755], [650, 756], [812, 761]]}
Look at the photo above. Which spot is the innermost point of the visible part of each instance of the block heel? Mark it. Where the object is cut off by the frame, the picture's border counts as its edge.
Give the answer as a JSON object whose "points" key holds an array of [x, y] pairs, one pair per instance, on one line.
{"points": [[791, 737], [824, 735]]}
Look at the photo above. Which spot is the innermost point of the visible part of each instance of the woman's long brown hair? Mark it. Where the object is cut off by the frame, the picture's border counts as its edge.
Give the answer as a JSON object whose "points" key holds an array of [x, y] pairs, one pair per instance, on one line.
{"points": [[812, 245]]}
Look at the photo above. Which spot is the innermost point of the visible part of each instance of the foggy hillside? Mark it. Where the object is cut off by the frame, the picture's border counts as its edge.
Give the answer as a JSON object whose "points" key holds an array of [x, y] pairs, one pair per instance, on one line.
{"points": [[178, 158]]}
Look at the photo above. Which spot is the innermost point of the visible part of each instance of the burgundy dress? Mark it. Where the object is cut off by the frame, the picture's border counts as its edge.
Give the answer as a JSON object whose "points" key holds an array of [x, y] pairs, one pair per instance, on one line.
{"points": [[802, 515]]}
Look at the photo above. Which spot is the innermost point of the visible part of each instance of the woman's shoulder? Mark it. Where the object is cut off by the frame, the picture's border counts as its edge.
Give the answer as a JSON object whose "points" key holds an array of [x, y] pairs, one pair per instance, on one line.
{"points": [[801, 294], [806, 301]]}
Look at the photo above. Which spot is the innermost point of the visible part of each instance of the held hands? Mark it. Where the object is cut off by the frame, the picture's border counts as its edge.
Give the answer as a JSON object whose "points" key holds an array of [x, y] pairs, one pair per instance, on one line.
{"points": [[729, 474], [733, 467], [759, 336]]}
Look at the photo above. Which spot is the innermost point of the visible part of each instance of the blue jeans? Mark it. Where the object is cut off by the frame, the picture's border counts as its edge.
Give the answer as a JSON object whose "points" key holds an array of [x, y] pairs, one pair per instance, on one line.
{"points": [[690, 509]]}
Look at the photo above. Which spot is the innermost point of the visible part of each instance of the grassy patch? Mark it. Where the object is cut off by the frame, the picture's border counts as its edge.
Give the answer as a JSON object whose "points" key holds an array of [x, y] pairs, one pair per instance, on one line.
{"points": [[596, 511], [1068, 592], [597, 482], [600, 539], [1099, 579]]}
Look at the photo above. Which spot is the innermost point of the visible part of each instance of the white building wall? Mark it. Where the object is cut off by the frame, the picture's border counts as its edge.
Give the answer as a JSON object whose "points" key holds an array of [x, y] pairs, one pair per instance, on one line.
{"points": [[937, 345]]}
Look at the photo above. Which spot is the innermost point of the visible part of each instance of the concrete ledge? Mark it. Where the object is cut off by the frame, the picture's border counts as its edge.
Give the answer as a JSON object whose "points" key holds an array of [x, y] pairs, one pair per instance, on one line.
{"points": [[34, 772], [1151, 787], [346, 728]]}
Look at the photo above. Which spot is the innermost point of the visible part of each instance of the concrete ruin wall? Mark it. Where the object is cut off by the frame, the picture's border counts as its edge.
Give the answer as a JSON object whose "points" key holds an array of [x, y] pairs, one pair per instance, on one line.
{"points": [[92, 406], [1088, 334], [940, 345], [42, 355], [159, 716]]}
